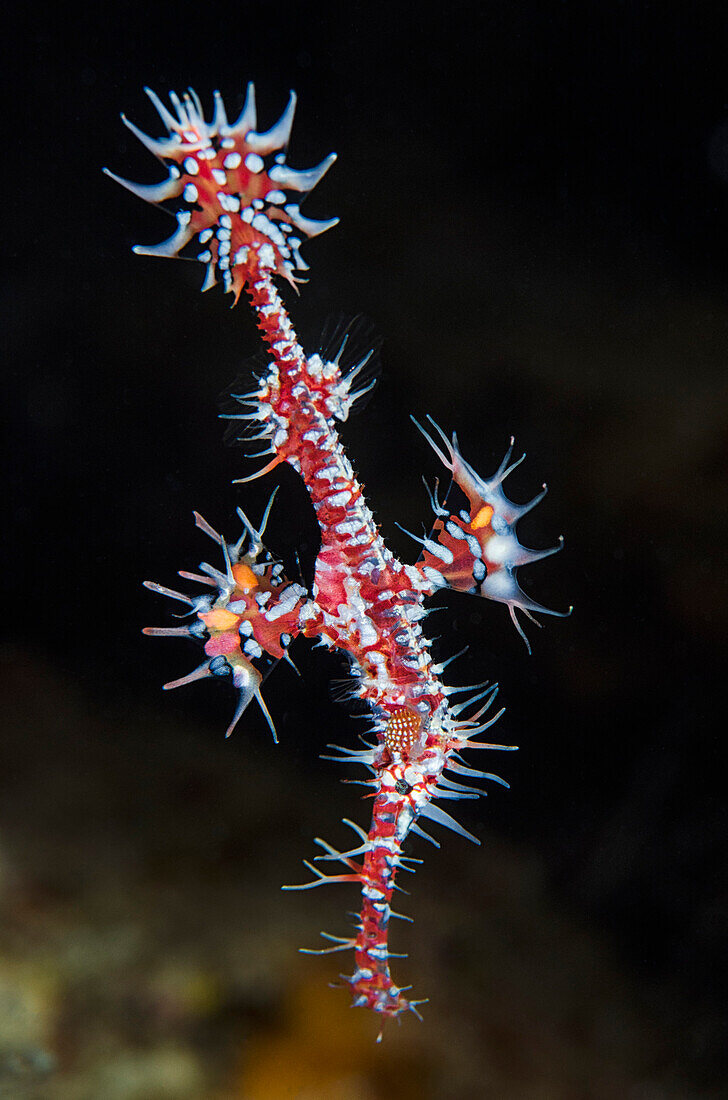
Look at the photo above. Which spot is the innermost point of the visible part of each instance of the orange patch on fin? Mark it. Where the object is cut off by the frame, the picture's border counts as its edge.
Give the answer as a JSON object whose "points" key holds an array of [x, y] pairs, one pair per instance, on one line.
{"points": [[220, 619], [245, 578], [483, 518]]}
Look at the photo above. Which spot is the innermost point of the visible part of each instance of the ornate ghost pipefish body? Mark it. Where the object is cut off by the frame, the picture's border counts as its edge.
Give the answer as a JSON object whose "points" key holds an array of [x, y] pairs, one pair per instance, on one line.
{"points": [[238, 202]]}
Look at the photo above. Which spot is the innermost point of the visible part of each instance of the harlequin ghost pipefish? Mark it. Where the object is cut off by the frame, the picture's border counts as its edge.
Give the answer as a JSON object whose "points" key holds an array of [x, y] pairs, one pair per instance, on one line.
{"points": [[237, 205]]}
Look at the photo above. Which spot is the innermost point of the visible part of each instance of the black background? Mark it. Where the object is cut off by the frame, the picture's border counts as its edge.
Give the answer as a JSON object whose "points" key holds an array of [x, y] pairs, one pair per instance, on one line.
{"points": [[534, 211]]}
